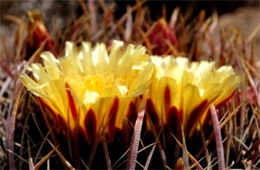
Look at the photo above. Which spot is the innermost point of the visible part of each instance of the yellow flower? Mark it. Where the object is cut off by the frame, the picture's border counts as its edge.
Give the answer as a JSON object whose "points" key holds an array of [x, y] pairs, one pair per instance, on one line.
{"points": [[182, 91], [91, 87]]}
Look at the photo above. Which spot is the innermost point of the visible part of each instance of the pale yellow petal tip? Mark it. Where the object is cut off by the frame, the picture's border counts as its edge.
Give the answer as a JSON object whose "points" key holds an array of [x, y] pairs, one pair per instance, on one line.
{"points": [[117, 43], [24, 79]]}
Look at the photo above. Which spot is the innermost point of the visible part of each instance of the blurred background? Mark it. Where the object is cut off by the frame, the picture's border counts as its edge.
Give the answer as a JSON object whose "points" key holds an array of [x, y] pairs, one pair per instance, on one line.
{"points": [[243, 14]]}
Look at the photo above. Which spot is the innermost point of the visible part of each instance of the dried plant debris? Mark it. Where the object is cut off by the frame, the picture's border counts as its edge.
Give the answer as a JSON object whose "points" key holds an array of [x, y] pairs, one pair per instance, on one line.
{"points": [[93, 89]]}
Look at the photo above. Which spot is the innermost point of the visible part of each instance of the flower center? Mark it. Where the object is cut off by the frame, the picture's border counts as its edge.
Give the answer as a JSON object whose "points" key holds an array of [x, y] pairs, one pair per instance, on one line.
{"points": [[97, 85]]}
